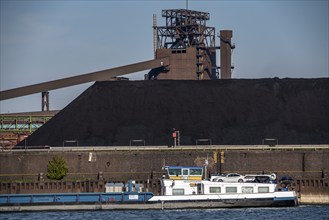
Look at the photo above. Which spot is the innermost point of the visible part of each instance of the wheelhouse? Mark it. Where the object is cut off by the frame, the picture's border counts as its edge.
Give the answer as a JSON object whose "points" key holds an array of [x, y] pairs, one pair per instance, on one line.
{"points": [[183, 172]]}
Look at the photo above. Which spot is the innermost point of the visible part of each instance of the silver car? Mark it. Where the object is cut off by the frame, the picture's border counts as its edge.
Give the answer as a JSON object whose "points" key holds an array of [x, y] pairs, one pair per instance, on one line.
{"points": [[230, 177]]}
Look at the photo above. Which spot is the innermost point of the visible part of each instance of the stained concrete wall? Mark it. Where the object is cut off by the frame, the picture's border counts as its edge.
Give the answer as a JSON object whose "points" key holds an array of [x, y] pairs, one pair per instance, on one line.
{"points": [[144, 164], [300, 164]]}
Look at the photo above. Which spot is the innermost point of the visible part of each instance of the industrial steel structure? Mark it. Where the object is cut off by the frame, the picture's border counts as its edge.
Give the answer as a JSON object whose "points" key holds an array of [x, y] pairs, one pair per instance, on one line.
{"points": [[103, 75], [15, 127], [190, 44], [22, 123], [185, 28]]}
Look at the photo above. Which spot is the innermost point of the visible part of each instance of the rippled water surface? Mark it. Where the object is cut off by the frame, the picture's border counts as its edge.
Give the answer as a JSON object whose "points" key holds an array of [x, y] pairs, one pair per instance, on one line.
{"points": [[300, 212]]}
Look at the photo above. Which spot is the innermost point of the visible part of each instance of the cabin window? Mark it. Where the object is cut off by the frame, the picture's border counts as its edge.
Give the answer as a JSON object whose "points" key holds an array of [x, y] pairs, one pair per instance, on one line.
{"points": [[247, 189], [263, 189], [178, 191], [196, 172], [175, 172], [185, 172], [214, 190], [231, 189]]}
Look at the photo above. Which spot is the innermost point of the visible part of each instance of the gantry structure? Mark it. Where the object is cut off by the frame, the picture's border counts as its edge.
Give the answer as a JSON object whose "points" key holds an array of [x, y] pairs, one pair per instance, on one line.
{"points": [[189, 42], [185, 28]]}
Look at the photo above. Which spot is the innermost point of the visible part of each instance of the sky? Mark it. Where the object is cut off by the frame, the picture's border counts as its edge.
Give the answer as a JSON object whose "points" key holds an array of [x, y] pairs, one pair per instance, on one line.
{"points": [[48, 40]]}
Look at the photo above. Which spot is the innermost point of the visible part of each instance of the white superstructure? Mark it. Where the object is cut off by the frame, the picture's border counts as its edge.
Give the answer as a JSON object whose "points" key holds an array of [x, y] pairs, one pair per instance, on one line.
{"points": [[181, 188]]}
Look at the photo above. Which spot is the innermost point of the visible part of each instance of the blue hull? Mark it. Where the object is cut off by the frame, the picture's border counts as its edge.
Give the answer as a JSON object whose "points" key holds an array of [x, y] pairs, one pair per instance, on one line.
{"points": [[74, 198]]}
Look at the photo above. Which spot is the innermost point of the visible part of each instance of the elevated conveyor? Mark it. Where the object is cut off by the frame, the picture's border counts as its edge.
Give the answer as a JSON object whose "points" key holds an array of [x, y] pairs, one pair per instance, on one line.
{"points": [[102, 75]]}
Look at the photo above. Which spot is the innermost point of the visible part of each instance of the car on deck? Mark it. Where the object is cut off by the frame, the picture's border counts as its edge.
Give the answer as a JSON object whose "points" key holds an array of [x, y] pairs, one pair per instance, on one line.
{"points": [[229, 177]]}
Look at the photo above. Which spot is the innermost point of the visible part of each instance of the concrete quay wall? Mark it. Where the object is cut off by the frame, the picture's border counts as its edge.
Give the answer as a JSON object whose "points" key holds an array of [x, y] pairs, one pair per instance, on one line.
{"points": [[91, 167], [146, 162]]}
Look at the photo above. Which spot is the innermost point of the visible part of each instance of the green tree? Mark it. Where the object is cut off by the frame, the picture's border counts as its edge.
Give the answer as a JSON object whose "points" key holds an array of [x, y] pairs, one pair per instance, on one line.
{"points": [[57, 168]]}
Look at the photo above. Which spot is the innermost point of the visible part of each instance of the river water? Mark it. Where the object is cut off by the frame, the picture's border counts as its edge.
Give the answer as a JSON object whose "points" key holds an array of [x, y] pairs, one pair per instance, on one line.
{"points": [[300, 212]]}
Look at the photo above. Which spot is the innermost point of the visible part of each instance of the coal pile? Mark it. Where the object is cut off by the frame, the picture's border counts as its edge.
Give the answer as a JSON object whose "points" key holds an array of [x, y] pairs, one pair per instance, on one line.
{"points": [[237, 111]]}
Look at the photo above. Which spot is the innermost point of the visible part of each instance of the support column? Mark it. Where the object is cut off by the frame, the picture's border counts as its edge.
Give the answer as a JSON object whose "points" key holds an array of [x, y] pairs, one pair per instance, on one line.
{"points": [[45, 101]]}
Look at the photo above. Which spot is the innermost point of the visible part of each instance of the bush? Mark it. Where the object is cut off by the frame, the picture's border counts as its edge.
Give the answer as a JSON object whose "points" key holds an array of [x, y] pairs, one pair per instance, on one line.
{"points": [[57, 168]]}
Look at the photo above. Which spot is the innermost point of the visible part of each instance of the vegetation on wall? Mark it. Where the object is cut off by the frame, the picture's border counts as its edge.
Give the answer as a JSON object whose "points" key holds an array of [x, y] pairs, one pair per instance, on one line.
{"points": [[57, 168]]}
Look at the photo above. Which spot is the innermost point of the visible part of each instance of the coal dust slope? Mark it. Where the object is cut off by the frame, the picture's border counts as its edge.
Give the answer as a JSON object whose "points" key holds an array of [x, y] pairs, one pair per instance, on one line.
{"points": [[294, 111]]}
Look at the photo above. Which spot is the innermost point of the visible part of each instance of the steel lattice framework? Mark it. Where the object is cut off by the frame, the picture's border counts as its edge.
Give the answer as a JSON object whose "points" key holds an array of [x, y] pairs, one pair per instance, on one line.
{"points": [[185, 28]]}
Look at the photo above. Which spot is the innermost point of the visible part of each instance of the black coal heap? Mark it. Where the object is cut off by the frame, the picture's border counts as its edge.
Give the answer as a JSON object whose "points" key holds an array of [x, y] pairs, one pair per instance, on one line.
{"points": [[237, 111]]}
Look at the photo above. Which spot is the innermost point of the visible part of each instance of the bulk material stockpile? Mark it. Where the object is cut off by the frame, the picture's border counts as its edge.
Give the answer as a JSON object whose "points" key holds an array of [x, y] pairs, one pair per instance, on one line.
{"points": [[237, 111]]}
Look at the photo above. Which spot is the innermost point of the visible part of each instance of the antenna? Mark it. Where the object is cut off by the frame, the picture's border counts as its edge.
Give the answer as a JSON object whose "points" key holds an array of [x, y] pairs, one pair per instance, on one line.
{"points": [[186, 4], [155, 42]]}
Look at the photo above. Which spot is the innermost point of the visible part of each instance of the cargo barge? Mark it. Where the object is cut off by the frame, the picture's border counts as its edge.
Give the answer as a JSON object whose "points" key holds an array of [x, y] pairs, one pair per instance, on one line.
{"points": [[182, 188]]}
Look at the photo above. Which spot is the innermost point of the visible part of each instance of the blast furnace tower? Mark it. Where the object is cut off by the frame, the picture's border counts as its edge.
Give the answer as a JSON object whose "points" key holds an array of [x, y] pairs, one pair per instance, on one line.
{"points": [[189, 43]]}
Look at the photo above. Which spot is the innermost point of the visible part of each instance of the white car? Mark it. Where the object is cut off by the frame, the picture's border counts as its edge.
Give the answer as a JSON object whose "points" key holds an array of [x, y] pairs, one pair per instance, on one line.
{"points": [[230, 177]]}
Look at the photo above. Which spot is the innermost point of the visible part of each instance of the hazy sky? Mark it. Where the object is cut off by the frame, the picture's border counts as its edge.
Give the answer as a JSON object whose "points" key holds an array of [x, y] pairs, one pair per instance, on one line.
{"points": [[48, 40]]}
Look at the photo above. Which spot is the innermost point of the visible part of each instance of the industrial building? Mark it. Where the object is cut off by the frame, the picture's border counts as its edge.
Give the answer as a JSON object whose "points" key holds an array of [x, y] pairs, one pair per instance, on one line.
{"points": [[190, 44]]}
